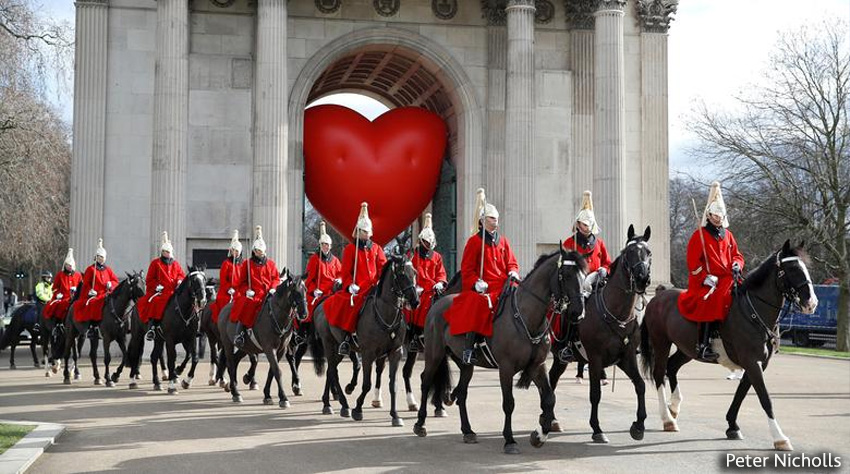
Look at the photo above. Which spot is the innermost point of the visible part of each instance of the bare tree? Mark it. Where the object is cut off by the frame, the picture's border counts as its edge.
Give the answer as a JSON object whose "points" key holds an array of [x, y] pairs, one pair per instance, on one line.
{"points": [[785, 151]]}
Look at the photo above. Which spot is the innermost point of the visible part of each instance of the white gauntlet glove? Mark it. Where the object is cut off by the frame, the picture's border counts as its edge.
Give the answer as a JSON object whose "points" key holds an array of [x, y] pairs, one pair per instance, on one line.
{"points": [[353, 289], [109, 285], [317, 293], [602, 272], [159, 288], [273, 291], [419, 290], [231, 291], [59, 296], [481, 286], [710, 280], [250, 293], [92, 293], [514, 275], [440, 286]]}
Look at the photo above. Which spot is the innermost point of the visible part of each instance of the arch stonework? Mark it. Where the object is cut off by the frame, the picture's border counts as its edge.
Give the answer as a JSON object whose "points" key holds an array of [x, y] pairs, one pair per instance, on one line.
{"points": [[466, 146]]}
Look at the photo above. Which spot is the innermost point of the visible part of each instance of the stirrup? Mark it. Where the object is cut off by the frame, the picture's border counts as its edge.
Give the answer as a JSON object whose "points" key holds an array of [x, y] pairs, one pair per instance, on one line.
{"points": [[297, 339], [416, 344], [706, 353], [344, 348], [468, 357], [565, 355], [150, 335], [239, 340]]}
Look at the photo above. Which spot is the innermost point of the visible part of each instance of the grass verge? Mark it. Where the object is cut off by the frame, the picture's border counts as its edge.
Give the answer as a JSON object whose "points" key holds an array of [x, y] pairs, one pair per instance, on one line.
{"points": [[11, 434], [814, 351]]}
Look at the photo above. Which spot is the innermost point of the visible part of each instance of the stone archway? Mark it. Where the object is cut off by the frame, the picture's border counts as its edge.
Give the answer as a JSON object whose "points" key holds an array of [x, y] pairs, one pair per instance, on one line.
{"points": [[455, 96]]}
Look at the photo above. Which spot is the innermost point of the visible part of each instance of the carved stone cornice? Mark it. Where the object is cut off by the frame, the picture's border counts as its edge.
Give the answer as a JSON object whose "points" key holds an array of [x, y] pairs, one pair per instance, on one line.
{"points": [[611, 5], [494, 12], [656, 15]]}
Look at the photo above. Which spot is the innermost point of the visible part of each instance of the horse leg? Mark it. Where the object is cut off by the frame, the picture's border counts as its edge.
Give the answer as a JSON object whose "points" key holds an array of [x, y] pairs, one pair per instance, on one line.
{"points": [[156, 362], [459, 394], [436, 365], [506, 378], [596, 370], [547, 406], [122, 345], [299, 355], [221, 368], [12, 346], [333, 369], [274, 370], [33, 345], [659, 369], [171, 354], [630, 367], [326, 395], [377, 401], [555, 373], [191, 351], [93, 343], [395, 358], [357, 413], [675, 363], [78, 350], [293, 369], [231, 371], [734, 432], [756, 376], [406, 373], [66, 355], [356, 363], [213, 368], [250, 377], [107, 358]]}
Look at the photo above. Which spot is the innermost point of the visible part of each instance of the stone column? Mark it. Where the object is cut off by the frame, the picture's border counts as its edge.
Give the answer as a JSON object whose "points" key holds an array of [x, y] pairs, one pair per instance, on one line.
{"points": [[170, 126], [580, 22], [89, 145], [609, 132], [494, 164], [519, 212], [655, 17], [271, 157]]}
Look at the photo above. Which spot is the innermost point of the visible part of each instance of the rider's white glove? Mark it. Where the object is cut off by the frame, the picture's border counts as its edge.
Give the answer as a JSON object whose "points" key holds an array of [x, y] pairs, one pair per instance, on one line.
{"points": [[710, 280], [602, 273], [92, 293], [273, 291], [419, 290], [179, 282], [250, 293], [317, 293], [440, 286], [59, 296], [109, 285], [736, 267], [159, 288], [513, 275], [481, 286], [338, 281], [231, 291], [353, 289]]}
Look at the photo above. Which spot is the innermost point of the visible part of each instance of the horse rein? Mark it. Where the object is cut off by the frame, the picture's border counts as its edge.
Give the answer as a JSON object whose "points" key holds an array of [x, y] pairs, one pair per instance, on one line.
{"points": [[196, 305], [559, 303]]}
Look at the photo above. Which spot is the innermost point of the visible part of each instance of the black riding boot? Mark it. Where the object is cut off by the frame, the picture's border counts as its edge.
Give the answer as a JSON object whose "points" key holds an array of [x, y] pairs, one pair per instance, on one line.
{"points": [[151, 334], [565, 355], [239, 340], [704, 350], [92, 333], [345, 345], [417, 340], [468, 356]]}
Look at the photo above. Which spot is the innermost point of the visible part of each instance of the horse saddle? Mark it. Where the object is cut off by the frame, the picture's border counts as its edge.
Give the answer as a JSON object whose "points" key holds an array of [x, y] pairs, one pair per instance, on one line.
{"points": [[30, 316]]}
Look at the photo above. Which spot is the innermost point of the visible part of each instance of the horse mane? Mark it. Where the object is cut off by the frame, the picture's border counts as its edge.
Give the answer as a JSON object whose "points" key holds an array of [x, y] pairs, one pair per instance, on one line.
{"points": [[571, 255], [612, 269], [385, 271], [758, 276]]}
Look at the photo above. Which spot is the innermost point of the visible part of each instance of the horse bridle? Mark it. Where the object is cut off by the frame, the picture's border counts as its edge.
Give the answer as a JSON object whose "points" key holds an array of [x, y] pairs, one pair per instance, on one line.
{"points": [[294, 308], [197, 305], [640, 264], [399, 294], [559, 302]]}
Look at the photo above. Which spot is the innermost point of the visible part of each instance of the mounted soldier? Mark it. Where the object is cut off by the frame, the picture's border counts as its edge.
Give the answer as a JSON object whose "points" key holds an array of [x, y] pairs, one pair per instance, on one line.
{"points": [[323, 272], [163, 277], [714, 263], [586, 241], [229, 277], [98, 281], [488, 262], [258, 278], [64, 287], [431, 280], [362, 262]]}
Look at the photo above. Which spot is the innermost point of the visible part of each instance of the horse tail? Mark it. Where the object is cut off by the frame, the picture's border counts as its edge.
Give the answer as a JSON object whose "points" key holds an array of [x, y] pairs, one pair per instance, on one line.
{"points": [[524, 379], [317, 351], [13, 330], [442, 385], [646, 356]]}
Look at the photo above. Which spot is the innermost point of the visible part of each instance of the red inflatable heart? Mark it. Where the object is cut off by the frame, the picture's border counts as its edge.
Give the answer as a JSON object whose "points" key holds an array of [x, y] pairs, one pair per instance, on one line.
{"points": [[392, 163]]}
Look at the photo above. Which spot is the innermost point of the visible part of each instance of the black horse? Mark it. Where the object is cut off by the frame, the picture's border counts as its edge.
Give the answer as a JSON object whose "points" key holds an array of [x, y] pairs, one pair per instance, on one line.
{"points": [[748, 337], [24, 318], [520, 343], [114, 325]]}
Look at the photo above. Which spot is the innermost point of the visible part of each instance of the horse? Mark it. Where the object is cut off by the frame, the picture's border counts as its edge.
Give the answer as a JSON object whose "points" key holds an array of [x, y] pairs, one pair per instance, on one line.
{"points": [[180, 324], [748, 336], [24, 317], [113, 326], [218, 361], [381, 331], [296, 352], [272, 330], [520, 343], [608, 332]]}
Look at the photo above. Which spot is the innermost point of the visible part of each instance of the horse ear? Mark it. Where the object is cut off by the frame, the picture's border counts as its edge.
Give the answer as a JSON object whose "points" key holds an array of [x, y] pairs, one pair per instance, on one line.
{"points": [[646, 234], [786, 247], [631, 234]]}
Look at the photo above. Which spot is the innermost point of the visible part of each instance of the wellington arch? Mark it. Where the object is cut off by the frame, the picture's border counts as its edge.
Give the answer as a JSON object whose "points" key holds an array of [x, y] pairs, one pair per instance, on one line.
{"points": [[188, 115]]}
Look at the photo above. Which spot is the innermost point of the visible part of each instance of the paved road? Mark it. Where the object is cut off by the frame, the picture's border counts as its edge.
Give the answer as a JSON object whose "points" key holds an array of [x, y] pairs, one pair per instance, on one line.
{"points": [[203, 431]]}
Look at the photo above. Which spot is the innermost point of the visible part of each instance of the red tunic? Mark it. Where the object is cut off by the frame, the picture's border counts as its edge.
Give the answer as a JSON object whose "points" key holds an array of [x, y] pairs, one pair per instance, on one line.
{"points": [[370, 262], [230, 275], [264, 276], [470, 311], [65, 285], [596, 255], [91, 308], [429, 272], [722, 253], [152, 305], [320, 275]]}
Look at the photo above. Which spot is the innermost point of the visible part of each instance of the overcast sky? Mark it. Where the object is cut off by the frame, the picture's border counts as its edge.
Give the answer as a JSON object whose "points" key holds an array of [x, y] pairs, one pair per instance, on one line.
{"points": [[716, 48]]}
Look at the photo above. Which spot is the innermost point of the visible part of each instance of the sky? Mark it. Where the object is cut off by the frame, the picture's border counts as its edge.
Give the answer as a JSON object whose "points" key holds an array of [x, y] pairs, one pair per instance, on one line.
{"points": [[716, 48]]}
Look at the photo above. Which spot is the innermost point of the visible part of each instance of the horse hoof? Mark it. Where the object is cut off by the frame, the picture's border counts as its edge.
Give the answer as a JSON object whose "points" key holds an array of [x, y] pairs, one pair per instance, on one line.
{"points": [[268, 401], [511, 448], [536, 440], [13, 367], [236, 398], [671, 426], [254, 386], [470, 438], [55, 369], [420, 430], [345, 413], [296, 390], [673, 413], [556, 427], [133, 385], [636, 431], [327, 411], [110, 383], [783, 445], [114, 378], [227, 388], [138, 377], [67, 381], [377, 403], [172, 391], [246, 380], [185, 384], [48, 374], [284, 404], [157, 387], [98, 382], [211, 383], [357, 415], [398, 422], [178, 371], [600, 438], [734, 435], [440, 413], [76, 376], [413, 407], [349, 389]]}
